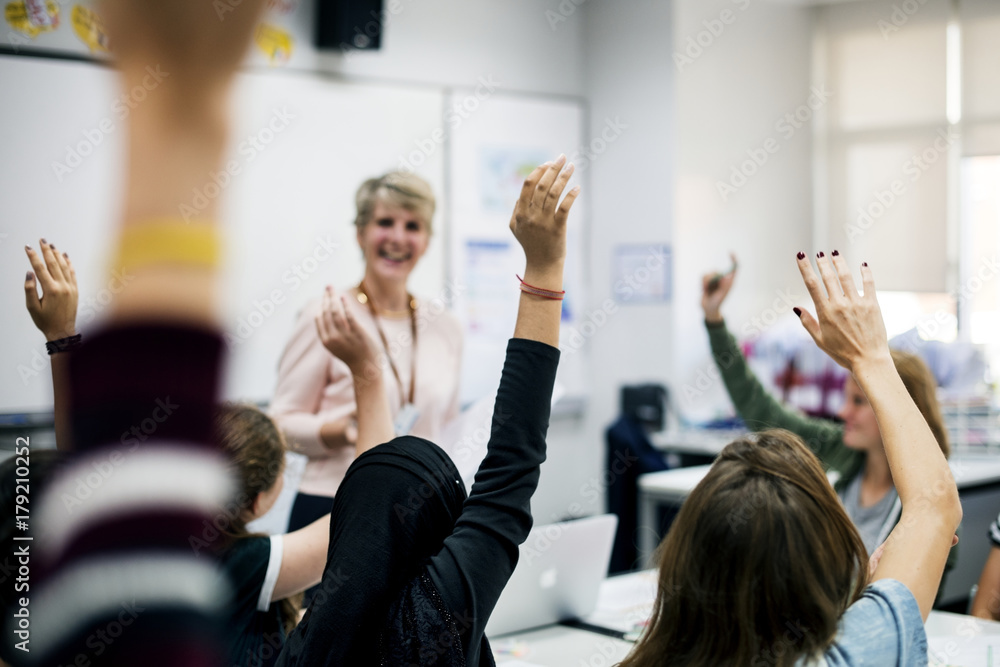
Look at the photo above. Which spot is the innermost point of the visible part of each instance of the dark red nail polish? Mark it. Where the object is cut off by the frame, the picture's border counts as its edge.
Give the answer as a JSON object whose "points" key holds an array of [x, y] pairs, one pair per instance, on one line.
{"points": [[801, 255], [820, 254], [864, 263], [28, 276], [835, 253], [797, 311]]}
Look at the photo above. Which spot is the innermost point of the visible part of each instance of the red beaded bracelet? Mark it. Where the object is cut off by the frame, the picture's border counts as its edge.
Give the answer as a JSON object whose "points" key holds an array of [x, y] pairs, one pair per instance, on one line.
{"points": [[538, 291]]}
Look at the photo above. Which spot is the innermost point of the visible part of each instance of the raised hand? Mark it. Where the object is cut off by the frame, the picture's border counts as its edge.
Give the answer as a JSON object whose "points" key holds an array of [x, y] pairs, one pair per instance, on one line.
{"points": [[193, 43], [54, 313], [539, 219], [341, 334], [714, 288], [847, 326]]}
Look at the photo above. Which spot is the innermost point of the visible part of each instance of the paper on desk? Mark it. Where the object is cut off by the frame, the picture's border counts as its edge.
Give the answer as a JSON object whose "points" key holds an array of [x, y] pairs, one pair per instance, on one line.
{"points": [[956, 651], [625, 603]]}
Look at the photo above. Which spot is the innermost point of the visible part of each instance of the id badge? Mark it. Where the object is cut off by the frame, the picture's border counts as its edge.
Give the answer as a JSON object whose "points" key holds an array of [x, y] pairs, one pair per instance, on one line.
{"points": [[405, 419]]}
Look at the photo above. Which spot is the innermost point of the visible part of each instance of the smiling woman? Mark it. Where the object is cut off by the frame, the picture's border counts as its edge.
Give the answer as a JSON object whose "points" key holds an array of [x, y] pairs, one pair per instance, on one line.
{"points": [[420, 346]]}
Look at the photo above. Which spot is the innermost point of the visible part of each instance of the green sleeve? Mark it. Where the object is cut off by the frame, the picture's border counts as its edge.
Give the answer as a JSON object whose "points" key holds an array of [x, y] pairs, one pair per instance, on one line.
{"points": [[761, 411]]}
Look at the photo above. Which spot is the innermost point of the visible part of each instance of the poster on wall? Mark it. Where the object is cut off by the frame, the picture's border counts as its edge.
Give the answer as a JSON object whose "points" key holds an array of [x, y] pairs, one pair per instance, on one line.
{"points": [[641, 273], [499, 142], [282, 39]]}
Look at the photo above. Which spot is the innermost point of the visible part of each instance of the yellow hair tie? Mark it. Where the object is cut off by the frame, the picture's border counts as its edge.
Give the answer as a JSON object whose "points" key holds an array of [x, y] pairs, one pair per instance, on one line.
{"points": [[168, 242]]}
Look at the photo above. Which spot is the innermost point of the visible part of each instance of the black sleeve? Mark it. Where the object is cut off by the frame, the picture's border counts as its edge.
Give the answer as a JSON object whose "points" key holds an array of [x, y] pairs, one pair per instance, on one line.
{"points": [[479, 556], [245, 564]]}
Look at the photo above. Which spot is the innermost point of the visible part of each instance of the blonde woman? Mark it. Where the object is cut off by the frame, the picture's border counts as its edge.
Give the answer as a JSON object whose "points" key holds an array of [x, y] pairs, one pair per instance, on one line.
{"points": [[420, 346]]}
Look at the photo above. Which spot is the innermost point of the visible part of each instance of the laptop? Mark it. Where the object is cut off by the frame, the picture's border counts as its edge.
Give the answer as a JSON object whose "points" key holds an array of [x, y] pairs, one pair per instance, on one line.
{"points": [[558, 575]]}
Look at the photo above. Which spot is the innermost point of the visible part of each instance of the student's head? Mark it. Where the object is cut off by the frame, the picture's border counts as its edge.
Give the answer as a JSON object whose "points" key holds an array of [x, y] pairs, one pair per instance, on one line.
{"points": [[760, 563], [256, 450], [394, 214], [860, 426], [393, 511]]}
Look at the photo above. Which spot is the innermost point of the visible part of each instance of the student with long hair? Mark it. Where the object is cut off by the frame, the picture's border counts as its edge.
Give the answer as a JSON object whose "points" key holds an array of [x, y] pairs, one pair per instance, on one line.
{"points": [[266, 572], [854, 449], [415, 567], [763, 566]]}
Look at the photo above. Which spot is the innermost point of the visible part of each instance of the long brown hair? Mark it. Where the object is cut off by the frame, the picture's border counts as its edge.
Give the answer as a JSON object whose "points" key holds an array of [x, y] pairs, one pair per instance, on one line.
{"points": [[922, 388], [256, 451], [759, 565]]}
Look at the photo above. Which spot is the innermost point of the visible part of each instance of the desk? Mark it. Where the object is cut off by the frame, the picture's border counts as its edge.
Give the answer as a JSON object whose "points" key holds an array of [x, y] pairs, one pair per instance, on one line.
{"points": [[556, 645], [977, 477], [625, 598], [699, 441]]}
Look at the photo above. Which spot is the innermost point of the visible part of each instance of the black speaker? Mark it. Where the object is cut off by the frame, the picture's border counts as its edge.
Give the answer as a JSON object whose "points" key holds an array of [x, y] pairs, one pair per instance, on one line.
{"points": [[349, 24]]}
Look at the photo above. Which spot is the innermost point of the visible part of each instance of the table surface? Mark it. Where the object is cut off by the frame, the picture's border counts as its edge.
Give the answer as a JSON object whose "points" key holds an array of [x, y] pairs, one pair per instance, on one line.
{"points": [[625, 601], [969, 471]]}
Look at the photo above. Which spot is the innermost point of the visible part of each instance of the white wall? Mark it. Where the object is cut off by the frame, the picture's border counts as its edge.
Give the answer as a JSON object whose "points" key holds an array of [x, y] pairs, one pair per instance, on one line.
{"points": [[453, 43], [629, 81], [729, 101], [655, 184]]}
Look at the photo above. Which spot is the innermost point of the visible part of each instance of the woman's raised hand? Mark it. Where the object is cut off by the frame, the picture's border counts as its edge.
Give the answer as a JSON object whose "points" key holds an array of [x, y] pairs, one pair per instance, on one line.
{"points": [[54, 313], [714, 288], [341, 334], [847, 326], [539, 219]]}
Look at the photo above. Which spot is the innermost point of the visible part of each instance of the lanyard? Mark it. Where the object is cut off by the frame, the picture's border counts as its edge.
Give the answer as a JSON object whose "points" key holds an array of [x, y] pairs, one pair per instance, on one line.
{"points": [[363, 298]]}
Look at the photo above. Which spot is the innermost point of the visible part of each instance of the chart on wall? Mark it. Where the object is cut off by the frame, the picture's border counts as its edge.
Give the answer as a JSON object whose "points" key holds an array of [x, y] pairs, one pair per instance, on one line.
{"points": [[283, 37], [495, 142]]}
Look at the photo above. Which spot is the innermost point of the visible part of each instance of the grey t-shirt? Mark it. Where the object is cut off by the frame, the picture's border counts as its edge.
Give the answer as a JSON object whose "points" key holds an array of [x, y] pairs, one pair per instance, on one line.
{"points": [[868, 520]]}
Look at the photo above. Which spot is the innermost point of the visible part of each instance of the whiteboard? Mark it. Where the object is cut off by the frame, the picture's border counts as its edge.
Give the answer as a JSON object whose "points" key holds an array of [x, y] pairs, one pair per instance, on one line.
{"points": [[289, 200], [495, 141]]}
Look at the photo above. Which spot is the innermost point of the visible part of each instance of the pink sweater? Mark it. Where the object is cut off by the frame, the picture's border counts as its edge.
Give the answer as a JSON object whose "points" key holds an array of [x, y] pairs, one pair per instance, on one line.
{"points": [[315, 387]]}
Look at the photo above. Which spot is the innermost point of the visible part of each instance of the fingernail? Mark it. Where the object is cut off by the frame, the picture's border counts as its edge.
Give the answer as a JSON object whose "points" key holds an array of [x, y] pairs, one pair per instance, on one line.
{"points": [[820, 254], [801, 255], [52, 246], [864, 263], [561, 159], [44, 241], [797, 311], [28, 276], [28, 248], [835, 253], [65, 255]]}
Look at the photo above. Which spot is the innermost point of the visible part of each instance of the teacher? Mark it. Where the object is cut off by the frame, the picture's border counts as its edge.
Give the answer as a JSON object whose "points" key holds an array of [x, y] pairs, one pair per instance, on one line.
{"points": [[421, 345]]}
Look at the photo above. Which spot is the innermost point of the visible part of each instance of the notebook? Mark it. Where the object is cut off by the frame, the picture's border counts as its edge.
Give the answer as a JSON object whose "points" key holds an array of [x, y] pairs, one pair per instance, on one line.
{"points": [[558, 575]]}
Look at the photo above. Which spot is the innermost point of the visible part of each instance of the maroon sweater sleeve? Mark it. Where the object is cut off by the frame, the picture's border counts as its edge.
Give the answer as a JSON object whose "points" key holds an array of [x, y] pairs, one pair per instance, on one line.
{"points": [[127, 521]]}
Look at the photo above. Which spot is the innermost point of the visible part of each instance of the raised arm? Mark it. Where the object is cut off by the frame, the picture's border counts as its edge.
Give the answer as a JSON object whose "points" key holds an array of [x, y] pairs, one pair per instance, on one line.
{"points": [[54, 313], [479, 556], [303, 558], [157, 362], [343, 337], [176, 141], [754, 404], [849, 328]]}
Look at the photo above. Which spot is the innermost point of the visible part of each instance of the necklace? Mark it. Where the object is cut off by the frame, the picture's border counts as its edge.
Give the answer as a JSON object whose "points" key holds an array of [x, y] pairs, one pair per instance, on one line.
{"points": [[363, 298]]}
